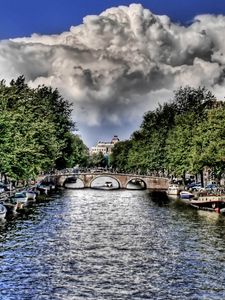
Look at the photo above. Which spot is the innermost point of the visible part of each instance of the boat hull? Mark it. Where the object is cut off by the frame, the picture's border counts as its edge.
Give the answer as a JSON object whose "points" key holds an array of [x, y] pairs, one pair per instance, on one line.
{"points": [[209, 202], [11, 207], [31, 195], [21, 199], [3, 212]]}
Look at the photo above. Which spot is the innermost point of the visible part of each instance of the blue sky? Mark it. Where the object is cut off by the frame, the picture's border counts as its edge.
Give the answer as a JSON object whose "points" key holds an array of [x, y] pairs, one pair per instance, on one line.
{"points": [[24, 17]]}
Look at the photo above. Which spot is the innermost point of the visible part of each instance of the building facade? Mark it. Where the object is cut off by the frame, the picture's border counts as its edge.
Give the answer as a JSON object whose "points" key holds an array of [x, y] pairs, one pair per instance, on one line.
{"points": [[104, 147]]}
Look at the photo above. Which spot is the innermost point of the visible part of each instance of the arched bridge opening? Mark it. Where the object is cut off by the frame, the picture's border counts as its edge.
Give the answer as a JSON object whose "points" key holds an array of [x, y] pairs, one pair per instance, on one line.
{"points": [[136, 184], [105, 183], [73, 182]]}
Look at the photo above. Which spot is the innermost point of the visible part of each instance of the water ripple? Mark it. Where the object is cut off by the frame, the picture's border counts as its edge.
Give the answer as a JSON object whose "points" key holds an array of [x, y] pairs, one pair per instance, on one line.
{"points": [[112, 245]]}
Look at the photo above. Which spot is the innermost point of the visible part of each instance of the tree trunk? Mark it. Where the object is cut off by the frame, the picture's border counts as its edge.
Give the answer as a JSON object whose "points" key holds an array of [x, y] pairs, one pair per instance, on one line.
{"points": [[202, 178], [184, 175]]}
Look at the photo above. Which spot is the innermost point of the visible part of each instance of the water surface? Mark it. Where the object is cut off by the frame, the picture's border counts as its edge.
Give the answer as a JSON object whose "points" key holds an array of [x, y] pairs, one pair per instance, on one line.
{"points": [[91, 244]]}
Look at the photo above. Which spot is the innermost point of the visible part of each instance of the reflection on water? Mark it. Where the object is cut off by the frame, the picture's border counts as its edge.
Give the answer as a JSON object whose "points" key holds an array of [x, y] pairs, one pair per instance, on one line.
{"points": [[210, 217], [90, 244]]}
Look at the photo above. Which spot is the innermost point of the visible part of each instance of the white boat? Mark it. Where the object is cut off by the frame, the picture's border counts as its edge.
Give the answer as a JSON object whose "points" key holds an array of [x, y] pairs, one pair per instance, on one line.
{"points": [[3, 211], [108, 185], [31, 195], [174, 189], [20, 198]]}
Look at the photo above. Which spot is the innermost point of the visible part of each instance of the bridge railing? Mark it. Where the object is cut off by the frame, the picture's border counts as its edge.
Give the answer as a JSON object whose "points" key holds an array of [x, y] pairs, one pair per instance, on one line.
{"points": [[106, 172]]}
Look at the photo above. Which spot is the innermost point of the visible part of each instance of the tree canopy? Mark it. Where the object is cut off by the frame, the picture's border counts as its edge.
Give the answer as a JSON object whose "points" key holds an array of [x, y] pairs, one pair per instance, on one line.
{"points": [[185, 134], [36, 131]]}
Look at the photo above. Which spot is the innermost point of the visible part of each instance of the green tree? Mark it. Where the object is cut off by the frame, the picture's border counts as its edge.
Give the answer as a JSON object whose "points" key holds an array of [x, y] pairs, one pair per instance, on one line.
{"points": [[165, 136], [26, 146], [208, 147], [179, 143], [97, 160], [35, 129], [119, 156]]}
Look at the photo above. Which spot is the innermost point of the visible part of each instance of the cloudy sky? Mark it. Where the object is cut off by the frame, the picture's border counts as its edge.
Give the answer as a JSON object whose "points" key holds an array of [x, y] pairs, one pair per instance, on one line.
{"points": [[114, 60]]}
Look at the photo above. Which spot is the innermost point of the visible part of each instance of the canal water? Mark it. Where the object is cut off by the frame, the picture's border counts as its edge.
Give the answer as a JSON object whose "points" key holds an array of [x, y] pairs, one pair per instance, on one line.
{"points": [[99, 245]]}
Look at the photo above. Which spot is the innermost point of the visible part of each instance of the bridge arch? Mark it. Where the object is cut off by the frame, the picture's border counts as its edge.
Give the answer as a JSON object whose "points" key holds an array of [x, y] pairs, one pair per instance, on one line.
{"points": [[136, 184], [105, 182], [73, 182]]}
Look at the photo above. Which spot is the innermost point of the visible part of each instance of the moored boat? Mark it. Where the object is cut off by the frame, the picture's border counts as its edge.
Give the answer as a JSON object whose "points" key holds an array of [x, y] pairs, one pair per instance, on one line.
{"points": [[20, 198], [11, 206], [108, 185], [174, 189], [210, 202], [43, 188], [46, 187], [206, 201], [3, 211], [31, 195], [186, 195]]}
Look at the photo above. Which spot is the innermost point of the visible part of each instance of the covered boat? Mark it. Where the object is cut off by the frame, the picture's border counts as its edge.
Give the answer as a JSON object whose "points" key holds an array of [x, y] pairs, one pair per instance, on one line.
{"points": [[186, 195], [209, 202]]}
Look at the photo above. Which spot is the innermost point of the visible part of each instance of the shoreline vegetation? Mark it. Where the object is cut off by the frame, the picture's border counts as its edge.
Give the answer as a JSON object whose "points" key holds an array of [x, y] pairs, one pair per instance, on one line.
{"points": [[184, 135]]}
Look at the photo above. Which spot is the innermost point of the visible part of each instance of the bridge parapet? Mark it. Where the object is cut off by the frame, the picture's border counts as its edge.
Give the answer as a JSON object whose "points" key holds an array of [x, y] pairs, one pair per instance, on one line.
{"points": [[151, 182]]}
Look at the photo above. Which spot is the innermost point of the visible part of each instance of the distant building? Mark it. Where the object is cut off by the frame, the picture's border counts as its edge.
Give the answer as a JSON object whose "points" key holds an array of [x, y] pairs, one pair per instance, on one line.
{"points": [[104, 147]]}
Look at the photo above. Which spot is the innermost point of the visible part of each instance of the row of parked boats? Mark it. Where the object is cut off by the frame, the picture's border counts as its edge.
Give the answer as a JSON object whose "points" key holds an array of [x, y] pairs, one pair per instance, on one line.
{"points": [[13, 202], [212, 200]]}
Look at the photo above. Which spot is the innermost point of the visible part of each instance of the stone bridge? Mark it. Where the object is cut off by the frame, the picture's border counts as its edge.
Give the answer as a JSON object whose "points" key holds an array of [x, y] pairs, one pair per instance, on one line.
{"points": [[147, 182]]}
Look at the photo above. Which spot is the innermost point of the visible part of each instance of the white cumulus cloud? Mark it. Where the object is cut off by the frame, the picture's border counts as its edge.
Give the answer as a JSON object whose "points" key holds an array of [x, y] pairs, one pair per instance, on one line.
{"points": [[117, 65]]}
